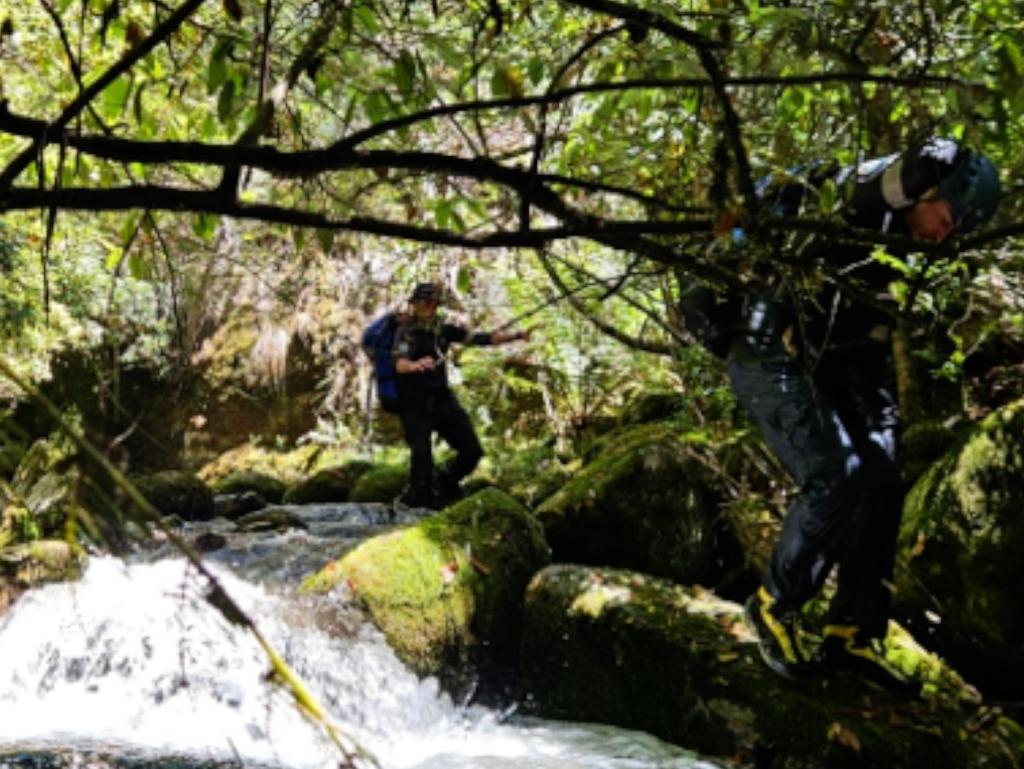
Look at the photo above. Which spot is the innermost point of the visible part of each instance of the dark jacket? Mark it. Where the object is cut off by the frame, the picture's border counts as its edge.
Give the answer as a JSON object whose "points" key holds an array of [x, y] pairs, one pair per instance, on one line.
{"points": [[416, 339], [879, 192]]}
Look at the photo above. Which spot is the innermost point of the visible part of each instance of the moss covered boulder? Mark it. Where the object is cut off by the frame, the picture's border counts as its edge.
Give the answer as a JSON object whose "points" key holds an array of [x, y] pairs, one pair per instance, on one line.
{"points": [[623, 648], [332, 484], [449, 585], [177, 493], [381, 483], [269, 487], [644, 503], [35, 563], [963, 545]]}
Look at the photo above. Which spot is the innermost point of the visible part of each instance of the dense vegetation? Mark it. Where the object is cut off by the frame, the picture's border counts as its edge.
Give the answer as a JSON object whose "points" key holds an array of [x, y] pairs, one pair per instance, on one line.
{"points": [[194, 190]]}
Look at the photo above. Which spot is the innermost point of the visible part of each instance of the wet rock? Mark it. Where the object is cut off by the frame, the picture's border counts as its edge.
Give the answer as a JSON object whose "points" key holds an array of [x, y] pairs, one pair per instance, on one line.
{"points": [[267, 486], [627, 649], [271, 519], [445, 588], [645, 503], [209, 541], [962, 540], [173, 492], [232, 506], [332, 484], [27, 565]]}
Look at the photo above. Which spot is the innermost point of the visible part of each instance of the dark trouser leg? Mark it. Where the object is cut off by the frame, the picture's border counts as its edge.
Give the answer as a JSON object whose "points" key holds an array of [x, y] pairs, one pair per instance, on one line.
{"points": [[866, 561], [811, 441], [455, 427], [417, 424]]}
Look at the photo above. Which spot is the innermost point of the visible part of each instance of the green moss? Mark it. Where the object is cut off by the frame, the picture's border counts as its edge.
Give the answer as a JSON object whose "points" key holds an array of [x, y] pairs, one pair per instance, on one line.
{"points": [[332, 484], [271, 489], [627, 649], [381, 483], [644, 503], [289, 466], [963, 533], [442, 586]]}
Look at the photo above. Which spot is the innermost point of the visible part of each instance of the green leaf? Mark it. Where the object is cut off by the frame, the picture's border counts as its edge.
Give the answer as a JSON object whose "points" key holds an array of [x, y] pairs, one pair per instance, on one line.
{"points": [[377, 107], [464, 280], [137, 267], [405, 72], [138, 109], [442, 213], [115, 98], [217, 72], [326, 238], [535, 69], [499, 83], [114, 257], [226, 101], [205, 226]]}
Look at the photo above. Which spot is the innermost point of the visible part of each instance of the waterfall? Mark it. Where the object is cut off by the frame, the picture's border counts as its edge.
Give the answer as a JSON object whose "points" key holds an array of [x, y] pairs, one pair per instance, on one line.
{"points": [[133, 659]]}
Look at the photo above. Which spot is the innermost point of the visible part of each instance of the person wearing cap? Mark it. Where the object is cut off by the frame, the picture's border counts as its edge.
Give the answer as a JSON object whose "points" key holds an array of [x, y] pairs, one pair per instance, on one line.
{"points": [[817, 379], [426, 404]]}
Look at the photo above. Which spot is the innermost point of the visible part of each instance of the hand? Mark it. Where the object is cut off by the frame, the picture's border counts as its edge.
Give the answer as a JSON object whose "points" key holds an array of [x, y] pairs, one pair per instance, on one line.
{"points": [[425, 363]]}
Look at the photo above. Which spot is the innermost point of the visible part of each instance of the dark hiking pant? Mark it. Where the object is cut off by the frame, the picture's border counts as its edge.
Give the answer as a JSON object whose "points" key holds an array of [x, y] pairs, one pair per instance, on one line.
{"points": [[421, 417], [836, 435]]}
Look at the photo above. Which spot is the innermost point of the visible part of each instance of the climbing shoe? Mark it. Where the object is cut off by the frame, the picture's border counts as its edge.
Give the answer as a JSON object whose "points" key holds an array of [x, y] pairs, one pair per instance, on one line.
{"points": [[778, 635], [844, 648]]}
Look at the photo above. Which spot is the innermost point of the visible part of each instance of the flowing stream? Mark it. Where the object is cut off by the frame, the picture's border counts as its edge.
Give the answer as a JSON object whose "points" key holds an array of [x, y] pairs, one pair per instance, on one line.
{"points": [[131, 666]]}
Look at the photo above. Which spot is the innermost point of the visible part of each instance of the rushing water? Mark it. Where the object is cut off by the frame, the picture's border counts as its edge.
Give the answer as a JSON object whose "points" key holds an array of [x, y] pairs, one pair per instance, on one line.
{"points": [[132, 666]]}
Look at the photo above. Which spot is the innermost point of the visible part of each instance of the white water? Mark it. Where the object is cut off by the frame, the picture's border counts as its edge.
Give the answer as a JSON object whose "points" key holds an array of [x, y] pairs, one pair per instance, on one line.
{"points": [[132, 659]]}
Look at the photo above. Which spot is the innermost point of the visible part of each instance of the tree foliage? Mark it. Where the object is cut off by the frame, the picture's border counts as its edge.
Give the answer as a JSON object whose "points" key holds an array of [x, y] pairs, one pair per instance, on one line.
{"points": [[613, 142]]}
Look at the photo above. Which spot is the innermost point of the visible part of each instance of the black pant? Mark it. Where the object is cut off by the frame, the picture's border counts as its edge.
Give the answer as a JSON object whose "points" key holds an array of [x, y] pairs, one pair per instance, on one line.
{"points": [[424, 414], [836, 434]]}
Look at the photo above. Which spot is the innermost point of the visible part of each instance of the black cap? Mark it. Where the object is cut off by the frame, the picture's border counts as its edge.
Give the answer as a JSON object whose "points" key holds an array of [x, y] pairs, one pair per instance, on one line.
{"points": [[426, 291]]}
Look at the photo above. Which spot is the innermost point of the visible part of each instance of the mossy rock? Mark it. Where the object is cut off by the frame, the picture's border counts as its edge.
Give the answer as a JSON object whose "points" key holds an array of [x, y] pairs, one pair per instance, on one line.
{"points": [[445, 587], [290, 466], [332, 484], [922, 444], [271, 519], [381, 483], [635, 651], [644, 503], [173, 492], [269, 487], [963, 543], [31, 564]]}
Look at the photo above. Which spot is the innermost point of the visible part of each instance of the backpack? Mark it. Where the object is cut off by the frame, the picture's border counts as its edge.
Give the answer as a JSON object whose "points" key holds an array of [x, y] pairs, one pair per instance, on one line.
{"points": [[377, 340]]}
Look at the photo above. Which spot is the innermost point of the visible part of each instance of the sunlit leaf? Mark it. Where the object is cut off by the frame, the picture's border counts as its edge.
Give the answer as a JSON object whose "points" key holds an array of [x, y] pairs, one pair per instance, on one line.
{"points": [[115, 98]]}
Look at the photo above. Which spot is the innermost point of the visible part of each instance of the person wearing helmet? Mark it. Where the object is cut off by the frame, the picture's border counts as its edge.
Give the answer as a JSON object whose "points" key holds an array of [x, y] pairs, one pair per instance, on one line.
{"points": [[817, 379], [426, 403]]}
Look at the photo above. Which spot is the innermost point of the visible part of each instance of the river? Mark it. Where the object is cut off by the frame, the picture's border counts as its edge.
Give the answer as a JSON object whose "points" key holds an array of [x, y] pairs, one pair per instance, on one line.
{"points": [[131, 666]]}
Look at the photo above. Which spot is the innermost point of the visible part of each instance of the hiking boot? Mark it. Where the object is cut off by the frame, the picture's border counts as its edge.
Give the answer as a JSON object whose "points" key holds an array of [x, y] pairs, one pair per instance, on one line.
{"points": [[417, 498], [843, 648], [448, 490], [778, 635]]}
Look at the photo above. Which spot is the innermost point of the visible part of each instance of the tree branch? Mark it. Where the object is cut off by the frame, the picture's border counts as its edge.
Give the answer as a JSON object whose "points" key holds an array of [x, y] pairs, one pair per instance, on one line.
{"points": [[126, 62]]}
